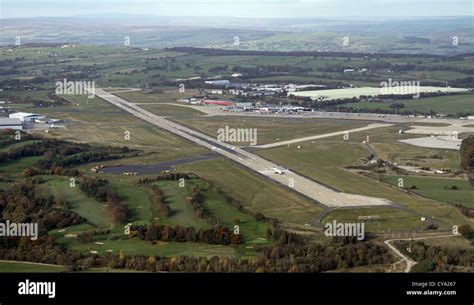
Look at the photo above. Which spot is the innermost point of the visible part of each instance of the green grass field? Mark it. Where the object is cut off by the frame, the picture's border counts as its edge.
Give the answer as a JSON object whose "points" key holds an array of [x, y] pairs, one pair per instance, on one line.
{"points": [[391, 219], [136, 200], [71, 230], [36, 94], [95, 212], [181, 211], [15, 167], [253, 231], [143, 212], [439, 189], [271, 130], [25, 267]]}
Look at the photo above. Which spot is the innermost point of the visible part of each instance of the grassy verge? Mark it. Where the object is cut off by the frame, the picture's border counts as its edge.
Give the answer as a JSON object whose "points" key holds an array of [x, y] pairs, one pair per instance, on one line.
{"points": [[454, 191]]}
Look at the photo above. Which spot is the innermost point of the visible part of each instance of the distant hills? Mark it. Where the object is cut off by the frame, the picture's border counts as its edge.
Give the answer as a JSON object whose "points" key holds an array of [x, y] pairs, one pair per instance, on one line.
{"points": [[433, 35]]}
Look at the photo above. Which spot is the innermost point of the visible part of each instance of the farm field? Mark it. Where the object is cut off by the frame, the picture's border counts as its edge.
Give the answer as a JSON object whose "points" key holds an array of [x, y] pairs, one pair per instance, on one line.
{"points": [[124, 67]]}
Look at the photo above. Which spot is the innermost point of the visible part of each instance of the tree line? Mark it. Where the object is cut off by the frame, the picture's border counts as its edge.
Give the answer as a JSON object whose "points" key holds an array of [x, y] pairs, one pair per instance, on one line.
{"points": [[98, 189], [224, 52], [467, 155], [270, 70], [159, 199], [166, 176], [196, 200], [218, 235], [436, 258], [9, 137], [59, 152], [58, 156], [24, 203]]}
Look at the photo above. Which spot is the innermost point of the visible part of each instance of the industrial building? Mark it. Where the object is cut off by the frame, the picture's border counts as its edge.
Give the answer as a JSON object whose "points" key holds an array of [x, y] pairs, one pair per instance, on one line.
{"points": [[27, 117], [7, 123], [220, 82]]}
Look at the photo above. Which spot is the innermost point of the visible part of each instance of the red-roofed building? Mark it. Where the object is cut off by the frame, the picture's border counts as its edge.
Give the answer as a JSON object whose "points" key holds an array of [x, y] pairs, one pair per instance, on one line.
{"points": [[218, 103]]}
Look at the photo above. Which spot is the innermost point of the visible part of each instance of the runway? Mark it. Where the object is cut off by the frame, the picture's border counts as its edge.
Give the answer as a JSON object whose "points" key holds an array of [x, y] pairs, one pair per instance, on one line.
{"points": [[306, 187]]}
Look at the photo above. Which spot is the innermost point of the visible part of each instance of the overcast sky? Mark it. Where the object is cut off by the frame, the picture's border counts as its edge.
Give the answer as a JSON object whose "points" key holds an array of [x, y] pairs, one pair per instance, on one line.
{"points": [[239, 8]]}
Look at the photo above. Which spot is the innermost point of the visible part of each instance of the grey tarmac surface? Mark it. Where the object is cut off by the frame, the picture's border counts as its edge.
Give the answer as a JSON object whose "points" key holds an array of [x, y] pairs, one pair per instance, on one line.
{"points": [[306, 187], [153, 169]]}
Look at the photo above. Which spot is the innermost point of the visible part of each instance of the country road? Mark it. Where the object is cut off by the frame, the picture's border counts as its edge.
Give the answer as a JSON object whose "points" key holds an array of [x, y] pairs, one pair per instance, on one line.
{"points": [[307, 187], [410, 263]]}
